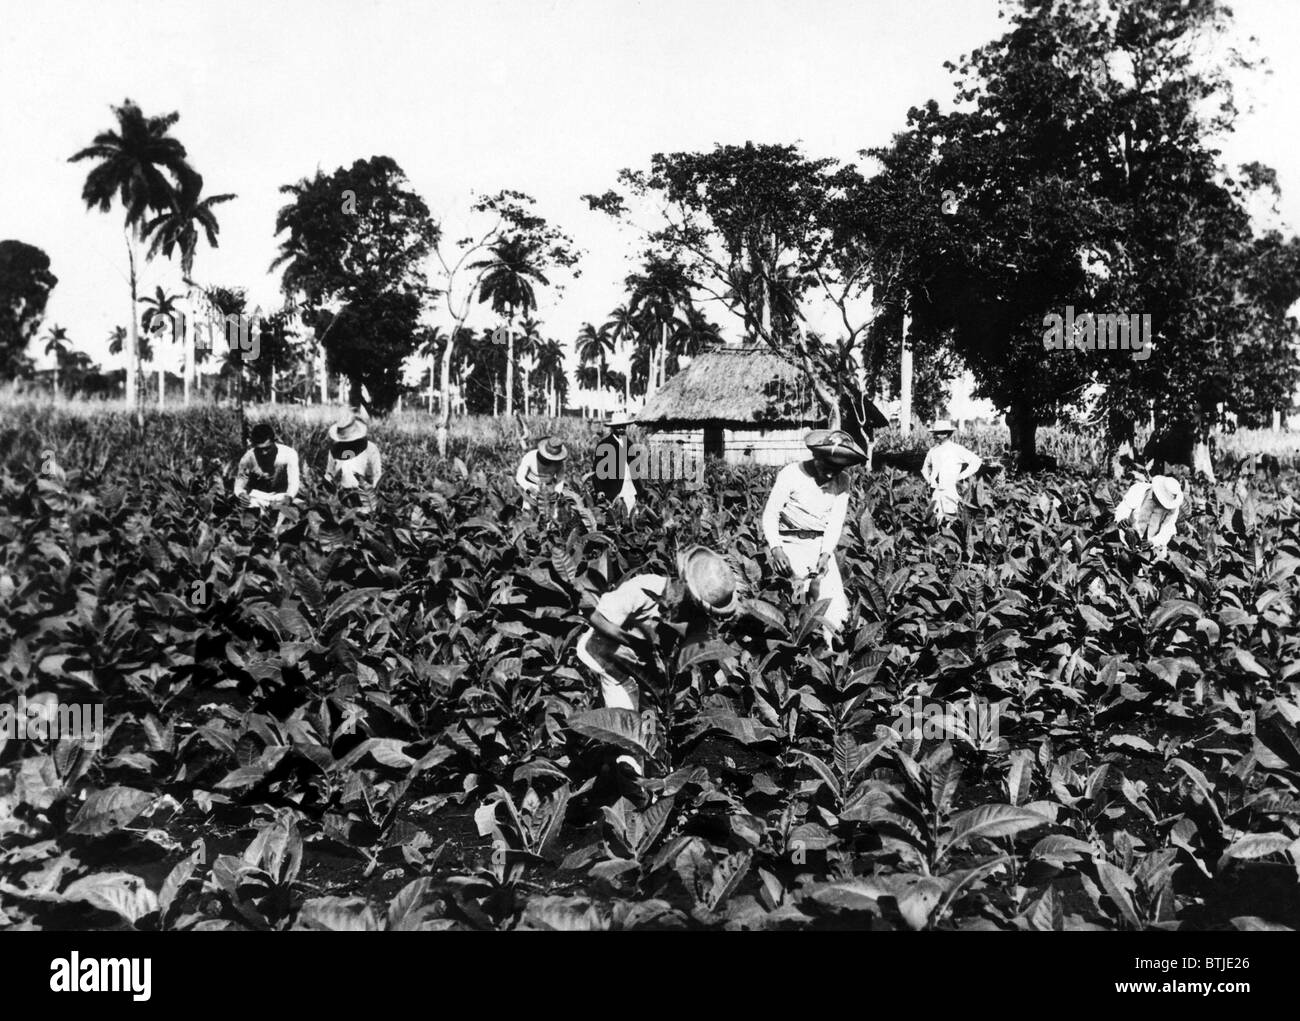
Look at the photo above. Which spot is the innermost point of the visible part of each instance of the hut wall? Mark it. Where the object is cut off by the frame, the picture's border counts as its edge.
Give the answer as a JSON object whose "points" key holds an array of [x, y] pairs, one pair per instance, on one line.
{"points": [[773, 446]]}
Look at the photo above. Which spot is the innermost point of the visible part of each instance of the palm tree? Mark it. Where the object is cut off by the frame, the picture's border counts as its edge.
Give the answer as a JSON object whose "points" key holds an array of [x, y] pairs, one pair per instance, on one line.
{"points": [[529, 344], [550, 362], [161, 308], [508, 285], [434, 340], [134, 162], [178, 228], [593, 346], [117, 338], [656, 293], [56, 343], [624, 329]]}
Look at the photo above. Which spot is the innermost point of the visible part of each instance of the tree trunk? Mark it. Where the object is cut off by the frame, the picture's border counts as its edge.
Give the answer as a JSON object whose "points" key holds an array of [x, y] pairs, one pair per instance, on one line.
{"points": [[432, 362], [905, 379], [133, 352], [444, 408], [1022, 423], [510, 363], [324, 378], [272, 393], [187, 352]]}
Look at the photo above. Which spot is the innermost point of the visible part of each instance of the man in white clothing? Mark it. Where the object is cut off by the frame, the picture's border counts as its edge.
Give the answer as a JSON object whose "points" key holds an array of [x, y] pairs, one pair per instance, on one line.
{"points": [[804, 519], [946, 464], [268, 472], [1152, 509]]}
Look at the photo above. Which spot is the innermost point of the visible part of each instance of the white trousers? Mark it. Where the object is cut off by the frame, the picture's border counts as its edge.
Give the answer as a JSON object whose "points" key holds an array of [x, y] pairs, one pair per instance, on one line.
{"points": [[618, 690], [803, 554]]}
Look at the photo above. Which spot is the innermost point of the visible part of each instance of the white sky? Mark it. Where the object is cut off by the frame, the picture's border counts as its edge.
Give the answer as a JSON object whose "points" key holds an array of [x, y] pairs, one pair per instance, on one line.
{"points": [[550, 98]]}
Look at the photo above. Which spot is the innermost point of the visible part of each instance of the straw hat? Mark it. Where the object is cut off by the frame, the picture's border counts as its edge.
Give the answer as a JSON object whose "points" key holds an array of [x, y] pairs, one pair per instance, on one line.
{"points": [[836, 446], [710, 580], [552, 450], [1167, 491], [942, 425], [349, 430], [620, 418]]}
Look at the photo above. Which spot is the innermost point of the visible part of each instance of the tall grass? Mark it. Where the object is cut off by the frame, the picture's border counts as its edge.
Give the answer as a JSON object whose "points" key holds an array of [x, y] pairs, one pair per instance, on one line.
{"points": [[71, 425]]}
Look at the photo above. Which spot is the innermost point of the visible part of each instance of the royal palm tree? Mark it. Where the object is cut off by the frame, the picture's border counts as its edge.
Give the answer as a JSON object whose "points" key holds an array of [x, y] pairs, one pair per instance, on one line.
{"points": [[179, 229], [593, 347], [117, 339], [550, 362], [160, 309], [530, 343], [624, 329], [434, 341], [656, 294], [508, 277], [144, 168], [56, 343]]}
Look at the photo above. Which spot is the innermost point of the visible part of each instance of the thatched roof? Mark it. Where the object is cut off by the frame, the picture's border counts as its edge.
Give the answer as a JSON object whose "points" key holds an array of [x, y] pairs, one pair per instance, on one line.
{"points": [[738, 386]]}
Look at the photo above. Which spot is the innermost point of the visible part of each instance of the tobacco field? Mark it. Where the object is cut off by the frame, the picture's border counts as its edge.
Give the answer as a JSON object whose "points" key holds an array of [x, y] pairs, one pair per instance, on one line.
{"points": [[342, 722]]}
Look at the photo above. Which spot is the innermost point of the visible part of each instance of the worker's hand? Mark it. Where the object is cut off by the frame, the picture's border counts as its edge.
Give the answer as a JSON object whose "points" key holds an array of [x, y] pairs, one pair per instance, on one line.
{"points": [[244, 500], [780, 561], [823, 562]]}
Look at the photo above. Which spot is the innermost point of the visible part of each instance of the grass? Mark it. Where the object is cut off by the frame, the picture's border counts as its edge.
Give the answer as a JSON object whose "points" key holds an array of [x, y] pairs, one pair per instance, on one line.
{"points": [[1073, 447]]}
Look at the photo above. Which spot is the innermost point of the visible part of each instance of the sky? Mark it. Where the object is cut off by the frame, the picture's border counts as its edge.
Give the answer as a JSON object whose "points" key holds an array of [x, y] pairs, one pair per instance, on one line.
{"points": [[550, 97]]}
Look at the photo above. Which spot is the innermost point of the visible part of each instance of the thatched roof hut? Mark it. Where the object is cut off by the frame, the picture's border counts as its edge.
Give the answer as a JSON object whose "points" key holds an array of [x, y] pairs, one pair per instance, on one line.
{"points": [[738, 386], [742, 402]]}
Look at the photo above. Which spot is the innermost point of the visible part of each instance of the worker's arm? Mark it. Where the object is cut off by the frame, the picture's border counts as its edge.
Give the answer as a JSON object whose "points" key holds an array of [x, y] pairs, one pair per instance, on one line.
{"points": [[295, 479], [640, 643], [521, 476], [772, 511], [972, 463], [927, 469], [1132, 499], [1162, 537], [241, 476]]}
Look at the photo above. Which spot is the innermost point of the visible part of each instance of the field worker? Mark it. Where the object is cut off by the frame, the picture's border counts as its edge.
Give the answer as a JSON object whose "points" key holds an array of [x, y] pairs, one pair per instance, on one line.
{"points": [[268, 472], [611, 478], [619, 647], [1152, 509], [542, 466], [354, 464], [804, 518], [946, 464]]}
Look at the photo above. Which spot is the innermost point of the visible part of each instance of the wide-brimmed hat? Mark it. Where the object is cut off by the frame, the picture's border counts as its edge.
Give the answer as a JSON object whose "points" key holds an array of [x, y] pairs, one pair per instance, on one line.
{"points": [[709, 579], [942, 425], [836, 446], [1167, 491], [349, 430], [551, 449], [620, 418]]}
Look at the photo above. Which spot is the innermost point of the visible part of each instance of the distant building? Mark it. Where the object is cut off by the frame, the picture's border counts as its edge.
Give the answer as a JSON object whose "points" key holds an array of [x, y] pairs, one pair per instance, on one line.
{"points": [[742, 403]]}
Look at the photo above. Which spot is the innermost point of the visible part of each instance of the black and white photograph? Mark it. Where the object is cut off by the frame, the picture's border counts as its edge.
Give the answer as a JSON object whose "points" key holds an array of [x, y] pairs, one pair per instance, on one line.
{"points": [[701, 465]]}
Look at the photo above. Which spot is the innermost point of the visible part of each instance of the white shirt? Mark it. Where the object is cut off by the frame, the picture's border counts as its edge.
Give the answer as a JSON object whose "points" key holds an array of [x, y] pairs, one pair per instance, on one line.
{"points": [[280, 482], [798, 502], [1149, 517], [948, 463], [529, 477]]}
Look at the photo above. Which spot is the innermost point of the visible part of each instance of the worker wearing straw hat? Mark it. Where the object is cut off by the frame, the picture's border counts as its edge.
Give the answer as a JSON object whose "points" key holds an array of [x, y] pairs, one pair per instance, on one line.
{"points": [[1152, 509], [619, 647], [354, 463], [804, 519], [946, 464], [542, 468], [611, 478]]}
